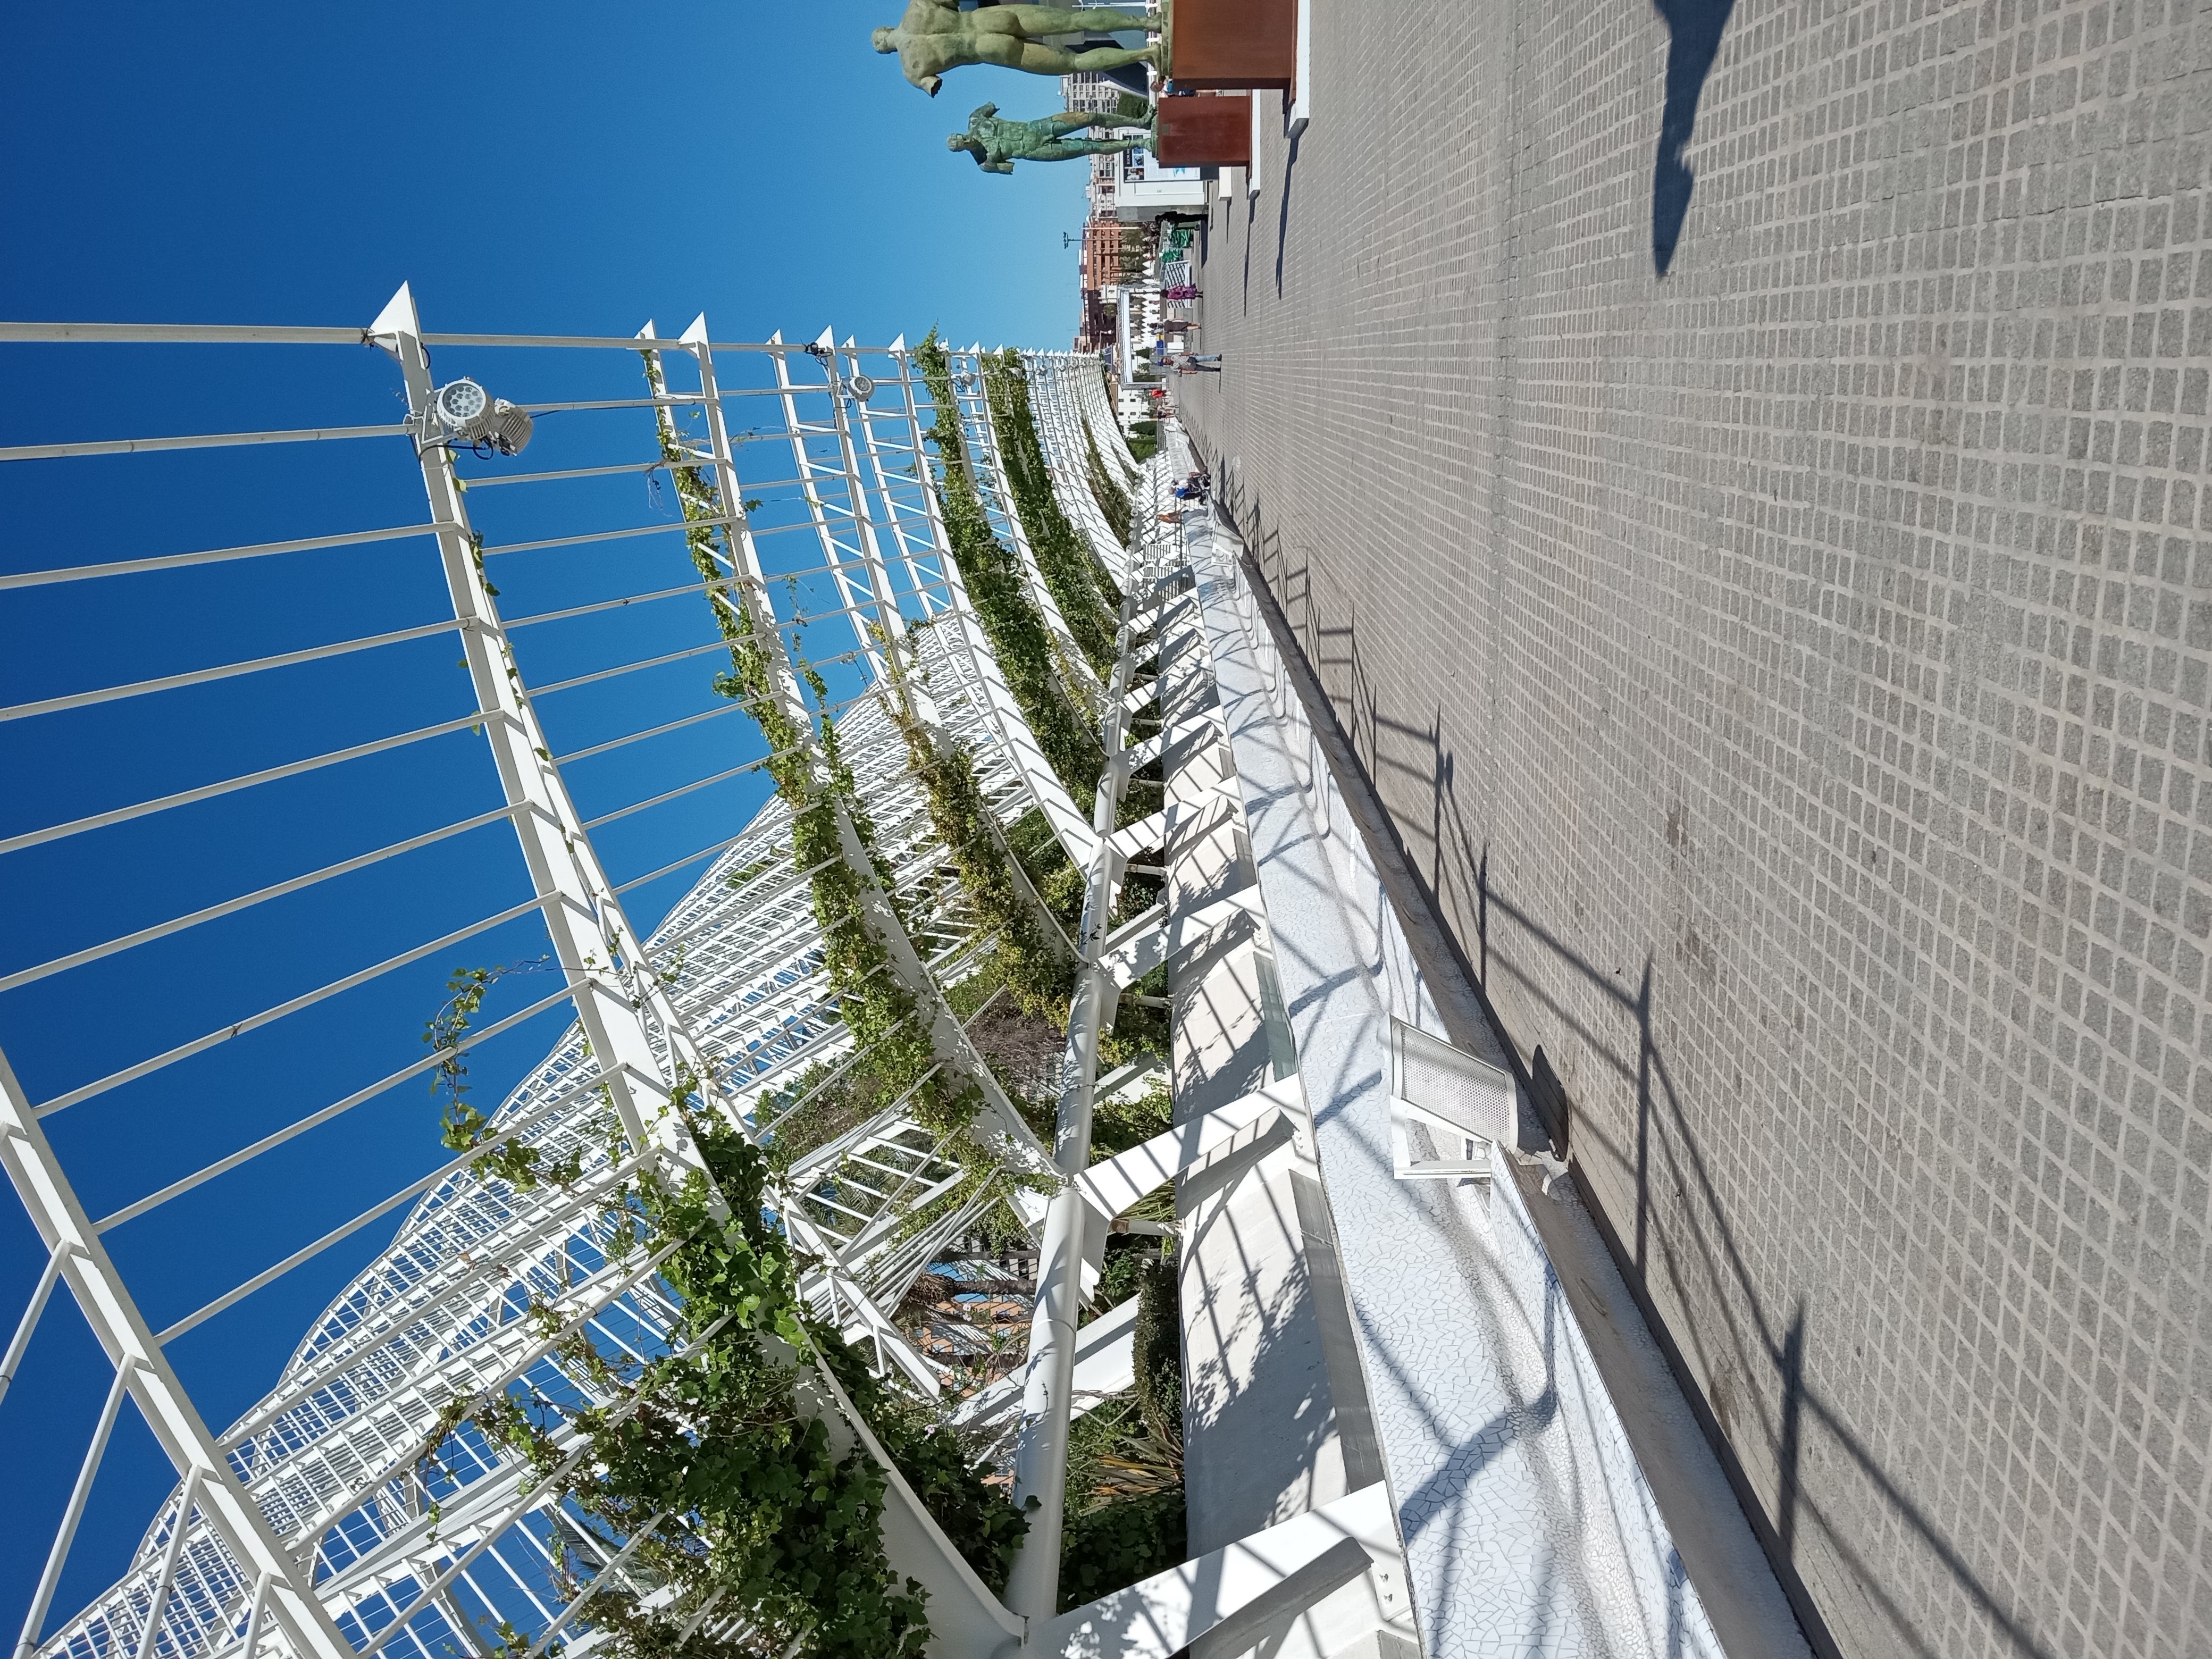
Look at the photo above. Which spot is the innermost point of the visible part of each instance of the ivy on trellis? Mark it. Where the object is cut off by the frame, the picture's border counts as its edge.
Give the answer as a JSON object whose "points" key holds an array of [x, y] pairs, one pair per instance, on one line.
{"points": [[1113, 500], [1077, 582], [746, 1531], [463, 1128], [810, 774], [1019, 639], [1038, 971]]}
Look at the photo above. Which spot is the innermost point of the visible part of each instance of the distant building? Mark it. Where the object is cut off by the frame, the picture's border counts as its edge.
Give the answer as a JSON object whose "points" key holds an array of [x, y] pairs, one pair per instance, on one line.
{"points": [[1090, 91], [1108, 252], [1119, 245], [1113, 254]]}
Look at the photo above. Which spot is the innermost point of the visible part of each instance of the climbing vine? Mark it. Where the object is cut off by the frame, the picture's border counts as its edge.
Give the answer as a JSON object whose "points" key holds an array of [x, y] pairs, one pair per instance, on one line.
{"points": [[1038, 971], [1113, 500], [1019, 636], [1070, 571], [706, 1466], [713, 1467], [898, 1060], [463, 1128]]}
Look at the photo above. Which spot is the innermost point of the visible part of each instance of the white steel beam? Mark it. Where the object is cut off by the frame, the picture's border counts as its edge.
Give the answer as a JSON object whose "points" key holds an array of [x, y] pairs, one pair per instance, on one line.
{"points": [[166, 1579], [1041, 1453], [1114, 1184], [247, 781], [21, 1342], [1304, 1588], [589, 942], [205, 440], [67, 1232], [811, 473], [880, 596], [247, 901]]}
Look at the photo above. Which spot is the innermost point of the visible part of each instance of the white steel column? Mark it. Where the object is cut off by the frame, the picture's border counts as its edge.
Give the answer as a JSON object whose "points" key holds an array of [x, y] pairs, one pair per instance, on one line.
{"points": [[585, 943], [67, 1231], [854, 593], [1041, 1454]]}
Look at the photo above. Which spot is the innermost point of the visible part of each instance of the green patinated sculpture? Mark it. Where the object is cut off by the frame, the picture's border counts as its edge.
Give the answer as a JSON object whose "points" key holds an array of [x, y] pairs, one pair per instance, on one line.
{"points": [[936, 35], [997, 145]]}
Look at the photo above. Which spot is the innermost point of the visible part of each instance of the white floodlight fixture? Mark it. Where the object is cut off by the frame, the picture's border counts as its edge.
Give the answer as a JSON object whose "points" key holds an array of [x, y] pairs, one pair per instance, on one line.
{"points": [[461, 403], [473, 416], [1450, 1112], [861, 387]]}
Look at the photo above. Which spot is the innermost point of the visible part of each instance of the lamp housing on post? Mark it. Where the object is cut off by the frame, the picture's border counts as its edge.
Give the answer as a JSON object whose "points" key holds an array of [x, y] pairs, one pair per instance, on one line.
{"points": [[473, 416]]}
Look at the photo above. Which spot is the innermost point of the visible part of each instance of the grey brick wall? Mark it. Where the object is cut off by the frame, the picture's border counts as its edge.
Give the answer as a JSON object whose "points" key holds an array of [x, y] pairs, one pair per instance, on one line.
{"points": [[1790, 676]]}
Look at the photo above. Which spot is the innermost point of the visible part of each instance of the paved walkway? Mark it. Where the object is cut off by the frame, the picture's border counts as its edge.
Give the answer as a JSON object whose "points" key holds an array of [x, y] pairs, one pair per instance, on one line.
{"points": [[1790, 674]]}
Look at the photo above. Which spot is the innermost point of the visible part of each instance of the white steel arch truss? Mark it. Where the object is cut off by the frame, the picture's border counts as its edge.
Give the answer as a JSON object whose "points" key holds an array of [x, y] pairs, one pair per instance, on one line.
{"points": [[309, 1525], [1071, 405]]}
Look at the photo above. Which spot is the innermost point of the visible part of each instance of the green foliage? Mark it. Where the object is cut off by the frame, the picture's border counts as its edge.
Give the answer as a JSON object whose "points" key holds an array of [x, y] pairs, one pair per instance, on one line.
{"points": [[708, 1453], [1158, 1344], [463, 1128], [1120, 1123], [1115, 1545], [1037, 970], [1137, 1029], [738, 878], [1019, 639], [816, 783], [1113, 500], [951, 1484], [726, 1489], [1117, 1281], [811, 1109], [1064, 562], [1125, 1499], [1050, 871], [709, 1461]]}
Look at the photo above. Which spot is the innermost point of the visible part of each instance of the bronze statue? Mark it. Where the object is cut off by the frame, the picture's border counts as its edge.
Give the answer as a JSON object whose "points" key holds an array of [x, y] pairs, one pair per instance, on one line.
{"points": [[936, 35], [997, 145]]}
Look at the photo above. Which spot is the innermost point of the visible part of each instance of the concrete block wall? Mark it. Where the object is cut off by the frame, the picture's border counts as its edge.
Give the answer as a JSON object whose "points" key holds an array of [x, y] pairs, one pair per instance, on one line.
{"points": [[1791, 678]]}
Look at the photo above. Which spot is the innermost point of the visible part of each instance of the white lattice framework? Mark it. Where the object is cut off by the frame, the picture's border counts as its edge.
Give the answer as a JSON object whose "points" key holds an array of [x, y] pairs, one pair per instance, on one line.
{"points": [[308, 1525], [1070, 397]]}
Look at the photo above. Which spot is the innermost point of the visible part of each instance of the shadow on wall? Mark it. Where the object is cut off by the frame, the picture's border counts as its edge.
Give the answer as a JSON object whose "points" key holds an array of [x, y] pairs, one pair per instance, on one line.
{"points": [[1696, 27], [1283, 213], [1754, 1355]]}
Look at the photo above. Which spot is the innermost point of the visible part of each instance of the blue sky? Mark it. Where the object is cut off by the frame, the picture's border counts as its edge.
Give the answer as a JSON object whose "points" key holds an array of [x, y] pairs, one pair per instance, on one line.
{"points": [[554, 167]]}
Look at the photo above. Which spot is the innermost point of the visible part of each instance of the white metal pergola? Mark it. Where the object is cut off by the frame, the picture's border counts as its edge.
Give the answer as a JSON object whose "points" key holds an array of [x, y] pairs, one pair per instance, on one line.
{"points": [[308, 1525]]}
